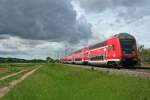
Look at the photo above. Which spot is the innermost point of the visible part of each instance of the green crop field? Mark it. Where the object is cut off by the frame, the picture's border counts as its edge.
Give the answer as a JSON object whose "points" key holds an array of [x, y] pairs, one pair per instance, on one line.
{"points": [[61, 82]]}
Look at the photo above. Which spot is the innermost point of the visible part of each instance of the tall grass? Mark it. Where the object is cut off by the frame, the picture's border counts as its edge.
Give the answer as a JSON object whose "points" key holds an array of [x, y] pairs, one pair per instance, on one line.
{"points": [[61, 82]]}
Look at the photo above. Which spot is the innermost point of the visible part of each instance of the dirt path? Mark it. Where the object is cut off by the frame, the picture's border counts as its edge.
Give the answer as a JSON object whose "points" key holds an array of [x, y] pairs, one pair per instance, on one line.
{"points": [[13, 74], [6, 89]]}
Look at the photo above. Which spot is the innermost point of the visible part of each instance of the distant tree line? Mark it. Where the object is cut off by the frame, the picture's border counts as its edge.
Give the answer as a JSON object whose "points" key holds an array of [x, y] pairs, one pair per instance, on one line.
{"points": [[17, 60]]}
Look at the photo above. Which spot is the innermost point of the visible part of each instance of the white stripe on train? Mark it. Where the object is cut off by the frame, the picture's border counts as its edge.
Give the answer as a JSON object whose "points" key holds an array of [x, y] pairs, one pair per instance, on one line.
{"points": [[97, 62]]}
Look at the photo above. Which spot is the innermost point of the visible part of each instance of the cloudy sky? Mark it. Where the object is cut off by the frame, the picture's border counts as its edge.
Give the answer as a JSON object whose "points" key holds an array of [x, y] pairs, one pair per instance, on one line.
{"points": [[40, 28]]}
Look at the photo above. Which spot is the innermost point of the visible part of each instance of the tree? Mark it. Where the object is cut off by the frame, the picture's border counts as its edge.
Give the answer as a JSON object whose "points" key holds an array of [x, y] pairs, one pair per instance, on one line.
{"points": [[49, 59], [141, 48], [144, 54]]}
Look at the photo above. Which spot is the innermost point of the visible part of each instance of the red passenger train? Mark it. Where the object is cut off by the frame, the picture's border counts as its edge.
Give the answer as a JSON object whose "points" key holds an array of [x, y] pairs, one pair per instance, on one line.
{"points": [[120, 49]]}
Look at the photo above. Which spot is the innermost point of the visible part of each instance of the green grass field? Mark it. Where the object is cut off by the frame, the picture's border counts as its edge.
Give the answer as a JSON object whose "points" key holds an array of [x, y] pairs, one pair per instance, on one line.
{"points": [[61, 82], [12, 68], [8, 68]]}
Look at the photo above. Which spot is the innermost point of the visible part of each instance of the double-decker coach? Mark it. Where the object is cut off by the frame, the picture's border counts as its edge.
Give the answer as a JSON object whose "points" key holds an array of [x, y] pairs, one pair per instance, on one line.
{"points": [[119, 49], [77, 57]]}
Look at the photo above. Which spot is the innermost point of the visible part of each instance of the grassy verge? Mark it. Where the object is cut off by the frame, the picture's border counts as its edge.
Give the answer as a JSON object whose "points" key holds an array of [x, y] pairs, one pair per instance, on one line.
{"points": [[145, 64], [61, 82]]}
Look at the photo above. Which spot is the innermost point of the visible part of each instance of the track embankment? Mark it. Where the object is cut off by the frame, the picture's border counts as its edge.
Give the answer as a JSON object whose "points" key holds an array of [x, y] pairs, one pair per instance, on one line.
{"points": [[136, 72]]}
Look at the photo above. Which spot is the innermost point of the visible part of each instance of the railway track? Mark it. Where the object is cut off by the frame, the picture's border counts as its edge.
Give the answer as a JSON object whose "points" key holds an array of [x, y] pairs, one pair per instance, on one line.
{"points": [[140, 72]]}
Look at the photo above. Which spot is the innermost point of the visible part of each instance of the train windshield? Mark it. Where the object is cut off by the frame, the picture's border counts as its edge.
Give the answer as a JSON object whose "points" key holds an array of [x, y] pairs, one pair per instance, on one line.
{"points": [[127, 44]]}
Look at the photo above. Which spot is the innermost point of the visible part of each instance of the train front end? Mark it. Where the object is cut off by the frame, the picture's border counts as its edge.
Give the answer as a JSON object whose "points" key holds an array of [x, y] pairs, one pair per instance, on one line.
{"points": [[129, 49]]}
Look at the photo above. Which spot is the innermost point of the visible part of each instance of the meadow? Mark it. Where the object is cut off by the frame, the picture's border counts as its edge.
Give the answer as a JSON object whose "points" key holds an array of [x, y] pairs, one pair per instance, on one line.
{"points": [[18, 69], [9, 68], [63, 82]]}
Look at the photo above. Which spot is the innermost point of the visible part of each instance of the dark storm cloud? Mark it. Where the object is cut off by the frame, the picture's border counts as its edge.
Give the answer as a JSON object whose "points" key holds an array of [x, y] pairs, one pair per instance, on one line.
{"points": [[100, 5], [128, 9], [52, 20]]}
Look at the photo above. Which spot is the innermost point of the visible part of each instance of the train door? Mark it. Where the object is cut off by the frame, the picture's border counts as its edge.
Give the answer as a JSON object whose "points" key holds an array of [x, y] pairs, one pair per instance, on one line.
{"points": [[105, 58]]}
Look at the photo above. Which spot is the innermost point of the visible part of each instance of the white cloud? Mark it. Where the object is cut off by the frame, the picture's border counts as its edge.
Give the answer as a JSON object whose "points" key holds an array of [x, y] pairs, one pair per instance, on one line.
{"points": [[15, 46], [108, 18]]}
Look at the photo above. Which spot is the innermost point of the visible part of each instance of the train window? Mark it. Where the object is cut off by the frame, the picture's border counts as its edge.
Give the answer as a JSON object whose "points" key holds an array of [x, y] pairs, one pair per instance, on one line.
{"points": [[78, 59], [92, 58], [99, 57], [86, 54], [127, 44], [113, 47]]}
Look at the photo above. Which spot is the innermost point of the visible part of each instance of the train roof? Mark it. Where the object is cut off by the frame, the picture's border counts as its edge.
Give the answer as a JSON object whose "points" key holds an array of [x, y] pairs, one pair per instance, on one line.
{"points": [[77, 51], [101, 44], [120, 36], [124, 36]]}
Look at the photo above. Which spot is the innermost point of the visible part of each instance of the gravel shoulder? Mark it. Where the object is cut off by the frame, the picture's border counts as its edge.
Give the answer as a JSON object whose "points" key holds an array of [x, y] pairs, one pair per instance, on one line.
{"points": [[137, 72]]}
